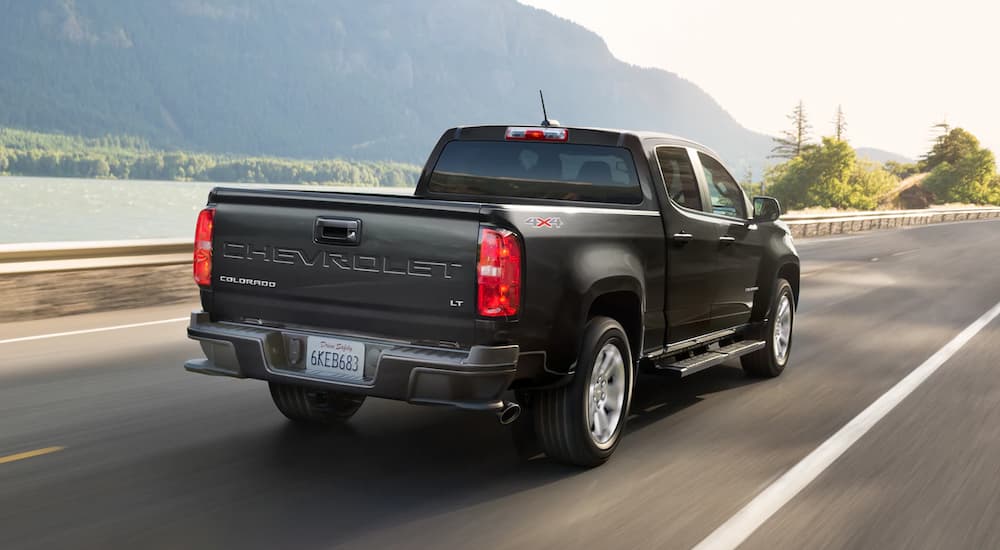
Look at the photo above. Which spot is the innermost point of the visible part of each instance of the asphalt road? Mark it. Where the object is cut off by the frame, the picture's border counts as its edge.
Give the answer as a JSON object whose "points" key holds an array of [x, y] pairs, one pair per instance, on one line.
{"points": [[135, 453]]}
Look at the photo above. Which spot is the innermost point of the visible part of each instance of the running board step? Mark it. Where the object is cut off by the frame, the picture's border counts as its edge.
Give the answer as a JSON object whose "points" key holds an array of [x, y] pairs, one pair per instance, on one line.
{"points": [[711, 358], [744, 347]]}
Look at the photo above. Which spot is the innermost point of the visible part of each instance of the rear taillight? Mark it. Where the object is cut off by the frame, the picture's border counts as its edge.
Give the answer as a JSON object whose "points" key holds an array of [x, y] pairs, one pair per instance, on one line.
{"points": [[203, 247], [498, 273]]}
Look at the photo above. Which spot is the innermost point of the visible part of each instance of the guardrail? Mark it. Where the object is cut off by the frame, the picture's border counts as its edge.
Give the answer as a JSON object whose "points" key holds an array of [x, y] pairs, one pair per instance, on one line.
{"points": [[818, 225], [73, 256]]}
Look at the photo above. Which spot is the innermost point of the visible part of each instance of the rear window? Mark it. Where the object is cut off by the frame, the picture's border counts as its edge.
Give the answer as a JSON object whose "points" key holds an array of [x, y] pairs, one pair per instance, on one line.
{"points": [[537, 170]]}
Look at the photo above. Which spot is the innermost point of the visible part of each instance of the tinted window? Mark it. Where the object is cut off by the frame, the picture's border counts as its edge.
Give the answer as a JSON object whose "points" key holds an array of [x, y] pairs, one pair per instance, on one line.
{"points": [[562, 171], [678, 175], [727, 198]]}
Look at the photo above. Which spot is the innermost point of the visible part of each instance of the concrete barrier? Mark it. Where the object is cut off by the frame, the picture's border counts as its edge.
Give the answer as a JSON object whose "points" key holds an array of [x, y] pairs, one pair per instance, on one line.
{"points": [[44, 280], [43, 295], [820, 225]]}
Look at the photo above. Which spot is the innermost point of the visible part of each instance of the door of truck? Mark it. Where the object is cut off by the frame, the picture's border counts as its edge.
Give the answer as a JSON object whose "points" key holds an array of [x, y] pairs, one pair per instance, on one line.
{"points": [[740, 245], [692, 240]]}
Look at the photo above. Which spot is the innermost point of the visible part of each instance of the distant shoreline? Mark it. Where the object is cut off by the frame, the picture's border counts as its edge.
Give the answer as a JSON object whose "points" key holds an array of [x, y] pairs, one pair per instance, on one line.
{"points": [[49, 155], [331, 186]]}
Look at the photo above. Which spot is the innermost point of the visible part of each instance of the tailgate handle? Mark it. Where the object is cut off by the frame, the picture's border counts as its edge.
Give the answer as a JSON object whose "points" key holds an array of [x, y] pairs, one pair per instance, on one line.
{"points": [[337, 231]]}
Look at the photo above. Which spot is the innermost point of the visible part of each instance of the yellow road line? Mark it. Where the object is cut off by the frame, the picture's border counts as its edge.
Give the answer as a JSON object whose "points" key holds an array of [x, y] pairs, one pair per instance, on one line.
{"points": [[29, 454]]}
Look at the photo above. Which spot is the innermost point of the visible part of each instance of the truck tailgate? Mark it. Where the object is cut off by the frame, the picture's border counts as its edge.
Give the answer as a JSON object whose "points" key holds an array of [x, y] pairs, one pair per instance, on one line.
{"points": [[396, 267]]}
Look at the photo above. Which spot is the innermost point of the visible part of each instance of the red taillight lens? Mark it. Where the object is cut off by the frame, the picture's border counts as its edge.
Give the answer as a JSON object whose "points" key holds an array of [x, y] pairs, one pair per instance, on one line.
{"points": [[498, 273], [203, 247]]}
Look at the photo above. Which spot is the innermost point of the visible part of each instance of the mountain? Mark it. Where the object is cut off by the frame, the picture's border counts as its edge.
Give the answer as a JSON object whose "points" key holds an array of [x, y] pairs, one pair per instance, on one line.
{"points": [[378, 79], [881, 157]]}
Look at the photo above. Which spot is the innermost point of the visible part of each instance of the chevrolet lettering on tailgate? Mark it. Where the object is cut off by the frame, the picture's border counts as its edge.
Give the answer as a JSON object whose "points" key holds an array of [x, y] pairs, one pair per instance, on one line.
{"points": [[340, 260]]}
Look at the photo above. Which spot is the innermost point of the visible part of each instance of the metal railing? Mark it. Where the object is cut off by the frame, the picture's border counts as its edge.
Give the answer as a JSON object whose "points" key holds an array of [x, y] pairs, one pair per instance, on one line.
{"points": [[72, 256], [817, 225]]}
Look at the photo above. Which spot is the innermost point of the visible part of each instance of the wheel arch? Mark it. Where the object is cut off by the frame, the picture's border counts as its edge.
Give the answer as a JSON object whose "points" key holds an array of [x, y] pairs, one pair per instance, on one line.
{"points": [[785, 268], [624, 306], [604, 279], [789, 271]]}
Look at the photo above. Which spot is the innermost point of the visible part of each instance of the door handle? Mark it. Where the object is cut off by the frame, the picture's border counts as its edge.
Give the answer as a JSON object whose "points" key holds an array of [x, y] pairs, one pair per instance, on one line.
{"points": [[337, 231], [727, 239], [683, 237]]}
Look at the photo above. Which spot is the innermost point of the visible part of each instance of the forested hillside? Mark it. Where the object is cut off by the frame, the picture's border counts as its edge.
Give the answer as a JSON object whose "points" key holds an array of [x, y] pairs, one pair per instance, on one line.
{"points": [[28, 153], [377, 79]]}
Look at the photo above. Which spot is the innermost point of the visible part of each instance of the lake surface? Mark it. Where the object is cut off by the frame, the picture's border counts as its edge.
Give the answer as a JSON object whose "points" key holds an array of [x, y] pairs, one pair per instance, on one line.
{"points": [[69, 209]]}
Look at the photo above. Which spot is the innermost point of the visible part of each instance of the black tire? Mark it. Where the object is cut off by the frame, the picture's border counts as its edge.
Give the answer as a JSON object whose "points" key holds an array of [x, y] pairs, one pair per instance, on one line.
{"points": [[314, 407], [561, 414], [767, 362]]}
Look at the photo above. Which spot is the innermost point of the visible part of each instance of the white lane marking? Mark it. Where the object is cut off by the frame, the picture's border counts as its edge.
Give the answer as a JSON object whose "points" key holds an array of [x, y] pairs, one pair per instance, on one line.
{"points": [[90, 330], [738, 528]]}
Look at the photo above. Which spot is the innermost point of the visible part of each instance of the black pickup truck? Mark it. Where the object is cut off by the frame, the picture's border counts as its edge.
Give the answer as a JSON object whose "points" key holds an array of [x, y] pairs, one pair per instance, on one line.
{"points": [[538, 267]]}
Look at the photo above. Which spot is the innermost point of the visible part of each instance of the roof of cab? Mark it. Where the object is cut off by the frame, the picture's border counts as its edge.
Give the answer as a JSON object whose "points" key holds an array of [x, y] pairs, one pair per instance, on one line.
{"points": [[640, 134]]}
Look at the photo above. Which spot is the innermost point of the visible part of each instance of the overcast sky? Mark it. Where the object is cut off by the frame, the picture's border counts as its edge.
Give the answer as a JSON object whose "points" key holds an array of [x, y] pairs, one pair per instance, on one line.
{"points": [[897, 66]]}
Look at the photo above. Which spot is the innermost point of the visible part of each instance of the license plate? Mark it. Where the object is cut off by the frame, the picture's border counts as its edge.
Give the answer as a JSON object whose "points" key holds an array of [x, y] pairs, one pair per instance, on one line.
{"points": [[335, 358]]}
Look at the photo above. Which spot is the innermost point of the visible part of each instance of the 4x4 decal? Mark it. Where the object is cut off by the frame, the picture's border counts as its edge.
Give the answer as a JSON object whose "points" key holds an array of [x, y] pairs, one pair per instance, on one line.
{"points": [[545, 222]]}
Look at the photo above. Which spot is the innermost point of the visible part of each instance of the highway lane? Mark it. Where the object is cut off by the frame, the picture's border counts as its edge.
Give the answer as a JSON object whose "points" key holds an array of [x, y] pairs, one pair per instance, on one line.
{"points": [[155, 457], [927, 477]]}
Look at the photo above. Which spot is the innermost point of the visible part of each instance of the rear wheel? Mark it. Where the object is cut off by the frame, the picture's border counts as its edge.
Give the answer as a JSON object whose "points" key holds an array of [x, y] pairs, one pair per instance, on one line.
{"points": [[314, 407], [770, 361], [582, 422]]}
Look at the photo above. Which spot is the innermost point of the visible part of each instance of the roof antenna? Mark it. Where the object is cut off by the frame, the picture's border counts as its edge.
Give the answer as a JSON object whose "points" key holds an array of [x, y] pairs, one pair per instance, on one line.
{"points": [[546, 123]]}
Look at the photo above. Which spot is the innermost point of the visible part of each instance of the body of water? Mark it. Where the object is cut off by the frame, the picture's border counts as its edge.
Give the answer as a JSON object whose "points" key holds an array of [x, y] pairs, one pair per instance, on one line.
{"points": [[70, 209]]}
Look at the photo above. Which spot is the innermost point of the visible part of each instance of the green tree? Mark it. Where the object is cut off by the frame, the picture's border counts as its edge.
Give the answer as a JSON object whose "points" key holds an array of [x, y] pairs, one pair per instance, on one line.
{"points": [[830, 166], [951, 146], [101, 168], [36, 154], [901, 170], [961, 170], [869, 184], [792, 142], [971, 179], [829, 175]]}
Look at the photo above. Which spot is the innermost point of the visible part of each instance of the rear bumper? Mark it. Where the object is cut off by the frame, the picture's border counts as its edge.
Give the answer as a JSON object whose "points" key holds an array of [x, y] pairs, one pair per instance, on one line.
{"points": [[469, 379]]}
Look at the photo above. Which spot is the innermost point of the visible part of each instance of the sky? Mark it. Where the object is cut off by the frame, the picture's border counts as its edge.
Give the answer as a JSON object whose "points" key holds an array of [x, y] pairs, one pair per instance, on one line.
{"points": [[897, 67]]}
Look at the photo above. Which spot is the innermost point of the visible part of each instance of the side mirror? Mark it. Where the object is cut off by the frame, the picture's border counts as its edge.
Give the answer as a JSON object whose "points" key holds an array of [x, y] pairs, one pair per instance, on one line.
{"points": [[765, 209]]}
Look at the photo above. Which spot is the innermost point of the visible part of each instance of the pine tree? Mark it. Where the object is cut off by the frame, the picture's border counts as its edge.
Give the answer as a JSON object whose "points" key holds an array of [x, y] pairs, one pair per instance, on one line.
{"points": [[840, 124], [950, 147], [791, 143], [942, 130]]}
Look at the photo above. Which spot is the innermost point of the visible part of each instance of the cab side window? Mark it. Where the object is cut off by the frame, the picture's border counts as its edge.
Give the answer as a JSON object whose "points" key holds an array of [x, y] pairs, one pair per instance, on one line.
{"points": [[727, 198], [678, 175]]}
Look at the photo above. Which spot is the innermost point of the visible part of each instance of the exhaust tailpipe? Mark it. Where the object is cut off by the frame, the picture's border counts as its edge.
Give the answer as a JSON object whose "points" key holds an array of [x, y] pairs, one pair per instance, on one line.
{"points": [[509, 412]]}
